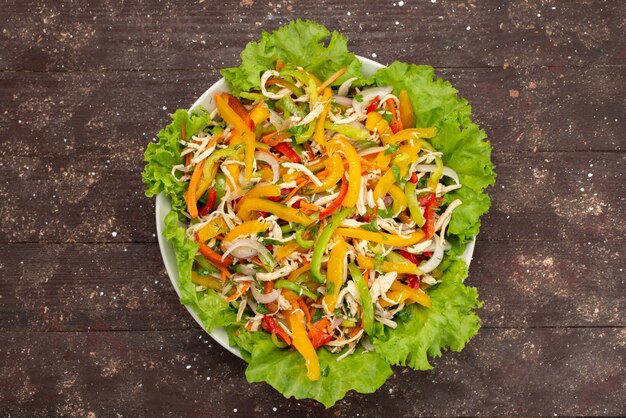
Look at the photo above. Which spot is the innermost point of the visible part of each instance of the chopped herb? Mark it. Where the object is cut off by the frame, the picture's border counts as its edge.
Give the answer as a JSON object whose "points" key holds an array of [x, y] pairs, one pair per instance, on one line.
{"points": [[371, 226], [386, 213], [260, 308], [317, 315], [359, 98], [270, 241], [421, 184], [388, 117]]}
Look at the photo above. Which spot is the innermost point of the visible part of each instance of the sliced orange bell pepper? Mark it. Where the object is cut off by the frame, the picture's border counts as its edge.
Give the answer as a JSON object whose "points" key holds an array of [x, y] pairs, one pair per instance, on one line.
{"points": [[231, 117], [354, 170], [301, 342]]}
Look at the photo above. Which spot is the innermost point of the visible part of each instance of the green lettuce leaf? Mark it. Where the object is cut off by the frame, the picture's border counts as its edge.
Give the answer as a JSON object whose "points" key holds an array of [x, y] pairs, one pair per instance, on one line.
{"points": [[424, 332], [160, 157], [300, 43], [208, 305], [284, 370], [437, 104]]}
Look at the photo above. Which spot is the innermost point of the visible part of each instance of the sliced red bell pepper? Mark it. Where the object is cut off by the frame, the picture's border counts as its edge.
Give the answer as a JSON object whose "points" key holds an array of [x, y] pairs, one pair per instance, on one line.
{"points": [[317, 335], [373, 105], [336, 204], [413, 281], [429, 226], [236, 105], [210, 203], [396, 123], [269, 324], [287, 151], [414, 178], [409, 256], [429, 200], [319, 338]]}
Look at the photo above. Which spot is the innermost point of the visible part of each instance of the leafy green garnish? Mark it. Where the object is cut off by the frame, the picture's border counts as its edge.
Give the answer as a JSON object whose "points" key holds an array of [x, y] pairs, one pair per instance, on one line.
{"points": [[300, 43]]}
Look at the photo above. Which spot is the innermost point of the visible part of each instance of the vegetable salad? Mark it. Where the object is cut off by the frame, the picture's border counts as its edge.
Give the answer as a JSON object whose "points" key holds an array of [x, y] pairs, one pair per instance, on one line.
{"points": [[323, 213]]}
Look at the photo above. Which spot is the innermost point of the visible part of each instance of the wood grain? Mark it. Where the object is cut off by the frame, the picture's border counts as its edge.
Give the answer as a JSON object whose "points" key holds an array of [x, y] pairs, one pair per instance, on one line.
{"points": [[181, 373], [119, 287], [182, 34], [89, 323], [100, 199], [117, 113]]}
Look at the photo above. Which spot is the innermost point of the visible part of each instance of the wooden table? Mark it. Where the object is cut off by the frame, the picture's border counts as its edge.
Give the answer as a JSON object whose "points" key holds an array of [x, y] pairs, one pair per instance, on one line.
{"points": [[89, 322]]}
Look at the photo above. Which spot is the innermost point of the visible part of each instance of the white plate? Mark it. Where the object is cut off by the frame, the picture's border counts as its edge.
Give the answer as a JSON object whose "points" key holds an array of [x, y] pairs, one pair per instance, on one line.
{"points": [[163, 206]]}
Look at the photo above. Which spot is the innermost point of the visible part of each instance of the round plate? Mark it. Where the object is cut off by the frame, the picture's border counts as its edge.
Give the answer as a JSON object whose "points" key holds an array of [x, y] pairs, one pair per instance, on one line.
{"points": [[163, 206]]}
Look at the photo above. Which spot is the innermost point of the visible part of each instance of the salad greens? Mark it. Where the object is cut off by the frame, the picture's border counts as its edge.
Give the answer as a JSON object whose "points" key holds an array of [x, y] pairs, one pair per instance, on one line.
{"points": [[444, 320]]}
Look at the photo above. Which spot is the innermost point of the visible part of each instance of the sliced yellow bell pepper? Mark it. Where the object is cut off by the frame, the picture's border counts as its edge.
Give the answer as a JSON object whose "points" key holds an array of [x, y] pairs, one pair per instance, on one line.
{"points": [[334, 273], [260, 113], [209, 282], [319, 134], [212, 229], [383, 185], [400, 292], [282, 211], [354, 170], [372, 120], [233, 170], [335, 173], [406, 134], [285, 250], [266, 190], [406, 110], [388, 266], [381, 237], [434, 178], [248, 227], [301, 342], [231, 117], [399, 199]]}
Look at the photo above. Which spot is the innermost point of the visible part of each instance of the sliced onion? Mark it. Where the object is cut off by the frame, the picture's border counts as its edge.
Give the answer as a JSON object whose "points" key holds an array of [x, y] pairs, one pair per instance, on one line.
{"points": [[435, 260], [343, 121], [244, 249], [337, 343], [369, 95], [336, 322], [270, 160], [447, 171], [345, 86], [264, 298], [371, 150], [283, 92], [248, 271], [344, 101]]}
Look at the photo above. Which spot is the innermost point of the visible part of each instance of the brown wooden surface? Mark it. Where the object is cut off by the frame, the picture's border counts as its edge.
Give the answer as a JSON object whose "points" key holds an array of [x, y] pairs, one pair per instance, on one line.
{"points": [[89, 322]]}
